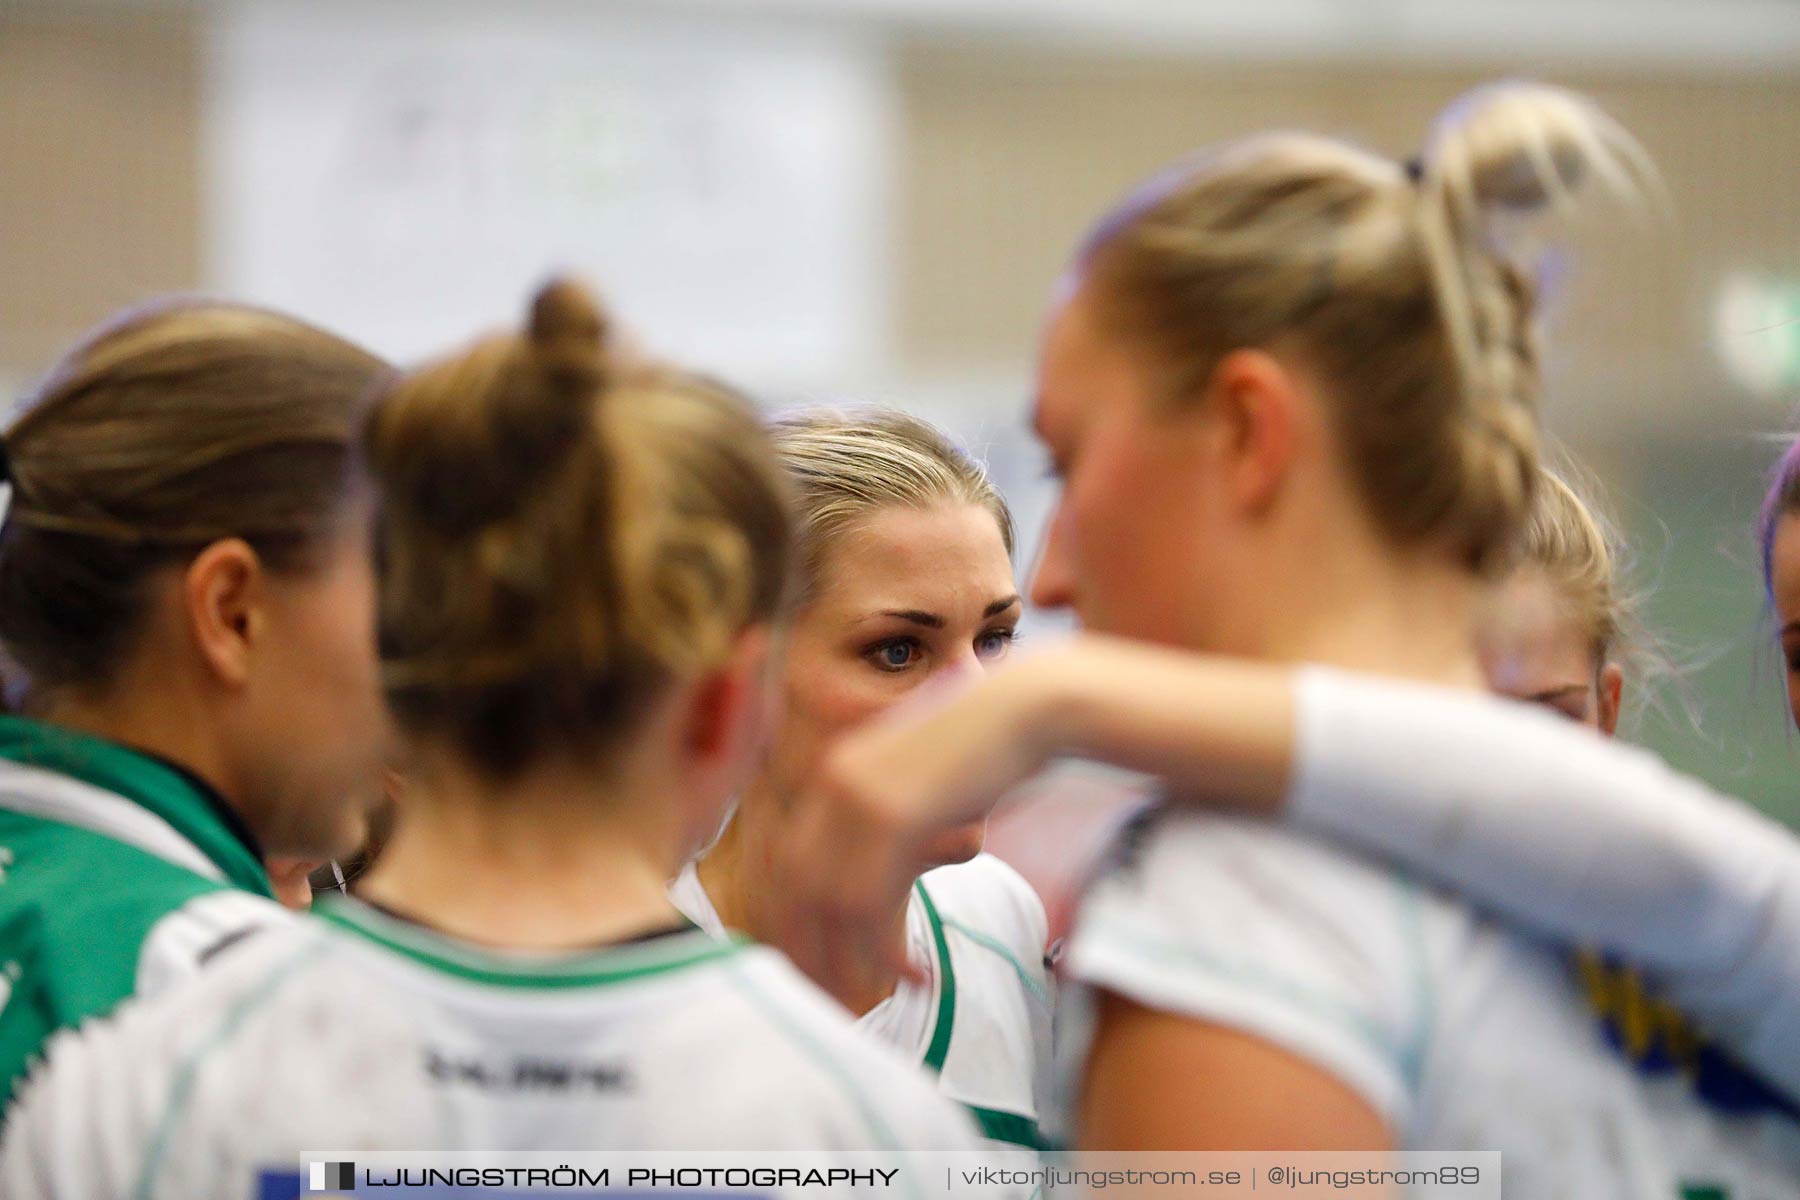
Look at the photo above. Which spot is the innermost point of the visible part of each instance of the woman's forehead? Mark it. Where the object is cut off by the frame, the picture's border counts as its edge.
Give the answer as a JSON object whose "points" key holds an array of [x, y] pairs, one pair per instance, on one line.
{"points": [[901, 556]]}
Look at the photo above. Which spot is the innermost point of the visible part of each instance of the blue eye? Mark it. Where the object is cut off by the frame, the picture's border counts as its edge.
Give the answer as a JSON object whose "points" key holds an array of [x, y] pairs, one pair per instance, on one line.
{"points": [[994, 643], [895, 655]]}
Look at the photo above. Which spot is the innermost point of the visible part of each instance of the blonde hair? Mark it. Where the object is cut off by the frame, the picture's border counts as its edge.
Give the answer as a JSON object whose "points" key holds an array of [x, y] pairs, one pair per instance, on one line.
{"points": [[847, 465], [563, 534], [1580, 554], [1395, 279], [172, 426]]}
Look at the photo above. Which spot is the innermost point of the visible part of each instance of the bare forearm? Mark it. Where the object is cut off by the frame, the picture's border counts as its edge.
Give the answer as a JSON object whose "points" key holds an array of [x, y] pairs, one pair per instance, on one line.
{"points": [[1217, 727]]}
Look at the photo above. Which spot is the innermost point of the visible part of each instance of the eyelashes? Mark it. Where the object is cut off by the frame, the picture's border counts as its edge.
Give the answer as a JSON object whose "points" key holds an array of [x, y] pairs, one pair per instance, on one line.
{"points": [[1005, 637], [881, 654]]}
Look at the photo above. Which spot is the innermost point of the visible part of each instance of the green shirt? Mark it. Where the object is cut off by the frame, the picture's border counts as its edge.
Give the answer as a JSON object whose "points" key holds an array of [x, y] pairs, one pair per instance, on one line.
{"points": [[118, 872]]}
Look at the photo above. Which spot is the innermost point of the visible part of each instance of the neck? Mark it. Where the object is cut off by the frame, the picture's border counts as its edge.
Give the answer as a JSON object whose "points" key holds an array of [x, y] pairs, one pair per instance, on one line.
{"points": [[168, 724], [1363, 608], [737, 875], [559, 858]]}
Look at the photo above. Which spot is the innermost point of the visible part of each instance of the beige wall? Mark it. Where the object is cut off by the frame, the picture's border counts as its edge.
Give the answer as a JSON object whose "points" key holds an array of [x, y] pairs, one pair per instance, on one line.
{"points": [[99, 193], [1009, 157], [1005, 158]]}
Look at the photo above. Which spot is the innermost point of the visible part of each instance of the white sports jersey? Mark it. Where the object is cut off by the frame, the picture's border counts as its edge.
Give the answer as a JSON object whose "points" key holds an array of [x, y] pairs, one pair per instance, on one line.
{"points": [[980, 1020], [1461, 1033], [361, 1032], [1578, 837]]}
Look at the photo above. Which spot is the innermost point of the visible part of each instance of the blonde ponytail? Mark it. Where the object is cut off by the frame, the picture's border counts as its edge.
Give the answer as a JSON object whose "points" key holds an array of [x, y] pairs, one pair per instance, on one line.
{"points": [[1412, 286], [1498, 160]]}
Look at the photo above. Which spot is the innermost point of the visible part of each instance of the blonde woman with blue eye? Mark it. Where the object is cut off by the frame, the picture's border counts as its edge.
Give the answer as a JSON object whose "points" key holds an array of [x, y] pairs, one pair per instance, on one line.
{"points": [[905, 579]]}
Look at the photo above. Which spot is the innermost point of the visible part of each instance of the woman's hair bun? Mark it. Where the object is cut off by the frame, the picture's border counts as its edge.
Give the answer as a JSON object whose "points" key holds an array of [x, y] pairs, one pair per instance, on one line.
{"points": [[561, 537], [1524, 146], [568, 330]]}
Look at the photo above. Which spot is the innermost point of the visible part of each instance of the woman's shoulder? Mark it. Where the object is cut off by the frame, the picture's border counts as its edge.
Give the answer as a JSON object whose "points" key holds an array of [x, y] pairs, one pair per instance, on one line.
{"points": [[988, 906], [1260, 929], [1193, 894], [989, 894]]}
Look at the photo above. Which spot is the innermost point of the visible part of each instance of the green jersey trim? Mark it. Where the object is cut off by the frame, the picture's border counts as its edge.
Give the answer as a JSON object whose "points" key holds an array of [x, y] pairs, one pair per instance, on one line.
{"points": [[154, 786], [939, 1049], [989, 942], [621, 964], [1012, 1128]]}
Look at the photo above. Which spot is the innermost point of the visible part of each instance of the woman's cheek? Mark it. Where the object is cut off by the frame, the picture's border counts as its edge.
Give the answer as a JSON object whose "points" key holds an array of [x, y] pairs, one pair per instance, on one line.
{"points": [[830, 701]]}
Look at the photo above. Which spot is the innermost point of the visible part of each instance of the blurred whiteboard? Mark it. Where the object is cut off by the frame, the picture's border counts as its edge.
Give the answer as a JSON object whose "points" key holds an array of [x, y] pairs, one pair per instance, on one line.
{"points": [[405, 173]]}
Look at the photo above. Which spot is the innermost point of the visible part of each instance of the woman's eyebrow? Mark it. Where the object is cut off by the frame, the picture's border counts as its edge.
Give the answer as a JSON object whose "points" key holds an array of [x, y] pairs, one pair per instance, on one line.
{"points": [[929, 620], [933, 621]]}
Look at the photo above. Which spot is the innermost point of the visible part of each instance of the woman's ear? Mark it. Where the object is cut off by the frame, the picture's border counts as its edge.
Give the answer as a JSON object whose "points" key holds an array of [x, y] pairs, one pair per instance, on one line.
{"points": [[1257, 406], [1612, 692], [223, 601], [728, 714], [722, 735]]}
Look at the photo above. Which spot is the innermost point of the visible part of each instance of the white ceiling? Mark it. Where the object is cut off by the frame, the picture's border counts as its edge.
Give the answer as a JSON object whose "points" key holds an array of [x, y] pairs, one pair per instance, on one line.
{"points": [[1706, 35]]}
